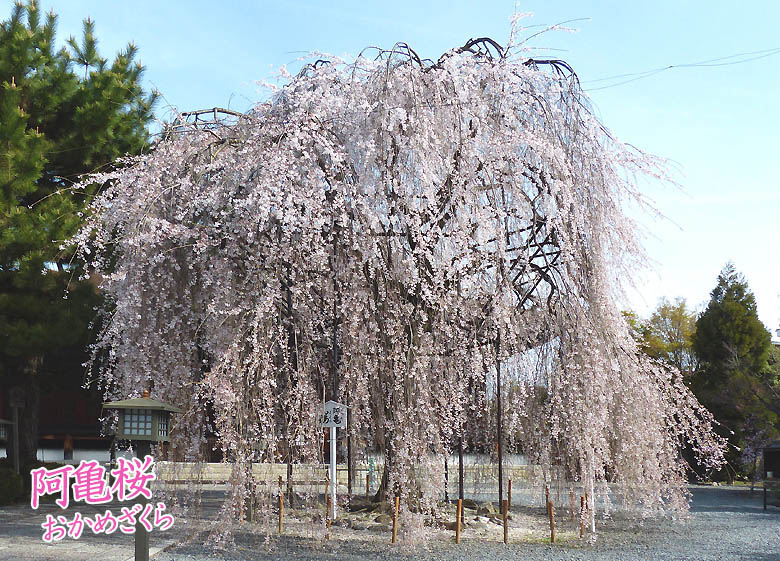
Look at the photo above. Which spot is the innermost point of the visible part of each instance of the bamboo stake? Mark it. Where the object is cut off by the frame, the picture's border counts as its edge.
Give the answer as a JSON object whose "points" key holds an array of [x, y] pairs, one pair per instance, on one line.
{"points": [[582, 516], [506, 526], [459, 512], [551, 508], [395, 518]]}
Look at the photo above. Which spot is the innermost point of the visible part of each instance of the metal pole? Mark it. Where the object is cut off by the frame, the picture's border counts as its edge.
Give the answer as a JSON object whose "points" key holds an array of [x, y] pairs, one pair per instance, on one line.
{"points": [[335, 321], [336, 388], [333, 472]]}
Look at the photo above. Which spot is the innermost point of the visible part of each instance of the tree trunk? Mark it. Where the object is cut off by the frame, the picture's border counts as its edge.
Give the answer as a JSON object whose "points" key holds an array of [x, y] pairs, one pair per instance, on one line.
{"points": [[289, 480], [753, 474], [446, 478], [350, 458], [499, 425], [29, 395], [381, 493]]}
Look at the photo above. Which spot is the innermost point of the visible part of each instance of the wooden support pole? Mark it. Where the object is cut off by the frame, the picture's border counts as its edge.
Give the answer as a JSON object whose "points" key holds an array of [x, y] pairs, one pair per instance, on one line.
{"points": [[327, 513], [571, 504], [551, 509], [368, 485], [582, 516], [395, 518], [281, 502], [281, 511], [509, 492], [547, 498], [458, 513], [505, 509]]}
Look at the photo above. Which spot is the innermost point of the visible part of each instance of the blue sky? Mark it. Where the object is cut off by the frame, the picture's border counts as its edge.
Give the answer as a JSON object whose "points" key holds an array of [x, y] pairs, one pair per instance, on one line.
{"points": [[717, 125]]}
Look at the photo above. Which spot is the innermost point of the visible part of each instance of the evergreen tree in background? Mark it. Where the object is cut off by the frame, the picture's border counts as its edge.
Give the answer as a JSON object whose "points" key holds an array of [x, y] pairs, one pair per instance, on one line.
{"points": [[63, 113], [735, 377]]}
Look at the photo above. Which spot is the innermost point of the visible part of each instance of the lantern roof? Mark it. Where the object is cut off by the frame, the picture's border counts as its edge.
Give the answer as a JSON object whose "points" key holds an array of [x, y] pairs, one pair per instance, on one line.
{"points": [[142, 402]]}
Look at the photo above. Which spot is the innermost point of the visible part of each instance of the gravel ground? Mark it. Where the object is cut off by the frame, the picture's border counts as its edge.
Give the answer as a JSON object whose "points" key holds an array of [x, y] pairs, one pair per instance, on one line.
{"points": [[725, 524]]}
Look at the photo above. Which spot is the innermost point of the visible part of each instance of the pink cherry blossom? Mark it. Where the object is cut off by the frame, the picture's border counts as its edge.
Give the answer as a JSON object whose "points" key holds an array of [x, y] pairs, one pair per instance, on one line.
{"points": [[411, 215]]}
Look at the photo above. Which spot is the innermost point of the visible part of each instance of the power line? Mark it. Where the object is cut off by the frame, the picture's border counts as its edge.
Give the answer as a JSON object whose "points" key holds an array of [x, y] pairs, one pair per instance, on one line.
{"points": [[720, 61]]}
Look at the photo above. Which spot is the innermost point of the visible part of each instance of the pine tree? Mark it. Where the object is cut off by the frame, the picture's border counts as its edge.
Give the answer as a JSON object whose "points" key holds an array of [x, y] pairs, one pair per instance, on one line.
{"points": [[63, 113], [733, 348]]}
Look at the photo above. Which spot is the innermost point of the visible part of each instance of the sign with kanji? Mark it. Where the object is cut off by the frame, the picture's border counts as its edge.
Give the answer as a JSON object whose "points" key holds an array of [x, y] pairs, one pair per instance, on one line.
{"points": [[334, 415], [87, 482]]}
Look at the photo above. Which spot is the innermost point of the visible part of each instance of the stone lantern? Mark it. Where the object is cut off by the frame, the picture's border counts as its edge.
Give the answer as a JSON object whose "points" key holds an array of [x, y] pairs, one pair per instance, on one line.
{"points": [[8, 434], [143, 419], [5, 430]]}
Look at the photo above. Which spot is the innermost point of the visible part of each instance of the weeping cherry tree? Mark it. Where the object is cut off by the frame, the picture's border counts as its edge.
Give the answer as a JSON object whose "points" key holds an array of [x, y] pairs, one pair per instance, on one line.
{"points": [[394, 233]]}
